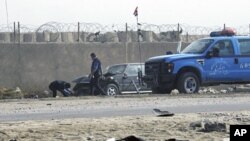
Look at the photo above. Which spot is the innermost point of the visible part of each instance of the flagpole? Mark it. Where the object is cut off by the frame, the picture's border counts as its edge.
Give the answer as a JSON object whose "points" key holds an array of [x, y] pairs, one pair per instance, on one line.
{"points": [[138, 36], [139, 43]]}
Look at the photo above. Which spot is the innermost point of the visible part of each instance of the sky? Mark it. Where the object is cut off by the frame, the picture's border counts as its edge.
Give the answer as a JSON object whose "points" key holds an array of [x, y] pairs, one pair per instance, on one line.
{"points": [[108, 12]]}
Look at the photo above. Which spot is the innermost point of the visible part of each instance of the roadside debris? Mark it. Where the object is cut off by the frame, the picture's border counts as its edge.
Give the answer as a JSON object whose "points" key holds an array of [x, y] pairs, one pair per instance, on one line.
{"points": [[6, 93], [134, 138], [160, 113], [131, 138], [208, 126]]}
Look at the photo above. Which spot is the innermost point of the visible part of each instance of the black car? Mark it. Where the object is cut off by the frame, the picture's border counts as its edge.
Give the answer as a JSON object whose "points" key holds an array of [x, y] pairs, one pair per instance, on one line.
{"points": [[119, 78]]}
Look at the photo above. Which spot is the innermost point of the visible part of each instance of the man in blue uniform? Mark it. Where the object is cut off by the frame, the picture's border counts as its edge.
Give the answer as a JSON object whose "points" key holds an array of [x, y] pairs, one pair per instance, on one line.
{"points": [[96, 73]]}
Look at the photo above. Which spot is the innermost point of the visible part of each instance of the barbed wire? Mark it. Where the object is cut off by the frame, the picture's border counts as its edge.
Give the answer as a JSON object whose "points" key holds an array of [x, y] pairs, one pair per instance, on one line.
{"points": [[55, 27]]}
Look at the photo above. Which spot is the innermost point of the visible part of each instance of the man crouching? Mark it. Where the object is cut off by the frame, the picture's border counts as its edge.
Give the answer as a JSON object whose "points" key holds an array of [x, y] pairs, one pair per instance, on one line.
{"points": [[61, 86]]}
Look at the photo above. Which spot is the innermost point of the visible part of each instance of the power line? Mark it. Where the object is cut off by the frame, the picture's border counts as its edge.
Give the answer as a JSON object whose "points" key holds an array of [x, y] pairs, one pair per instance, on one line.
{"points": [[7, 14]]}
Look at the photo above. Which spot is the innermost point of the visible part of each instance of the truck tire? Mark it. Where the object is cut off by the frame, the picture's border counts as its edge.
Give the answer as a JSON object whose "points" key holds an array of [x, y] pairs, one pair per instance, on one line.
{"points": [[112, 90], [188, 82]]}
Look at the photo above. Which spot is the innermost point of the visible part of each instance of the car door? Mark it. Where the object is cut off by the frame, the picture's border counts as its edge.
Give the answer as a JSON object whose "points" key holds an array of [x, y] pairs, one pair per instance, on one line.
{"points": [[222, 66], [130, 81], [244, 59], [117, 72]]}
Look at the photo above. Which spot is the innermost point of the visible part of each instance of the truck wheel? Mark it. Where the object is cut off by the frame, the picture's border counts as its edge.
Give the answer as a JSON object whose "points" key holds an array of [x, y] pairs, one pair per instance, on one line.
{"points": [[188, 83], [112, 90]]}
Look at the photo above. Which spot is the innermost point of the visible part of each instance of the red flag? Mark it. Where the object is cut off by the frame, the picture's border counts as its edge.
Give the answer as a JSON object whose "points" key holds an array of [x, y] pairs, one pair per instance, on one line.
{"points": [[136, 11]]}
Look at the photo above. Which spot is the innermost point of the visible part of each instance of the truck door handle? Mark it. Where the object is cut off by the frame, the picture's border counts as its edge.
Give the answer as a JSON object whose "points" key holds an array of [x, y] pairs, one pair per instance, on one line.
{"points": [[236, 60]]}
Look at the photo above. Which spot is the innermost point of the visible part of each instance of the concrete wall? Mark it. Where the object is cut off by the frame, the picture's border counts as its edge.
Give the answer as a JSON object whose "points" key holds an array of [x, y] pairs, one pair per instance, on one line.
{"points": [[72, 37], [32, 66]]}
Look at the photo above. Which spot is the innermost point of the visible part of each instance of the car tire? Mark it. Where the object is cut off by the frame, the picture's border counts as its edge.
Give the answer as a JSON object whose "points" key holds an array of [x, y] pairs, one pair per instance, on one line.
{"points": [[112, 90], [188, 83]]}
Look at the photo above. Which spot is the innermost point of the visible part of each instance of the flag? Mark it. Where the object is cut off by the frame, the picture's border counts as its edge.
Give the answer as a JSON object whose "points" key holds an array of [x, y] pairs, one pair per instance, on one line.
{"points": [[136, 11]]}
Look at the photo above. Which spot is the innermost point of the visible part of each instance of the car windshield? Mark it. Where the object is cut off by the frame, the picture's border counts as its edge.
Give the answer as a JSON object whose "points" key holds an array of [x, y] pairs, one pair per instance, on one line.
{"points": [[198, 47], [116, 69]]}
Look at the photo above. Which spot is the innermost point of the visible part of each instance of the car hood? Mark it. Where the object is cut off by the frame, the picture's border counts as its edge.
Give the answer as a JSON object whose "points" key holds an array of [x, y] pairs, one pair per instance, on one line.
{"points": [[85, 79], [108, 74], [172, 57], [82, 79]]}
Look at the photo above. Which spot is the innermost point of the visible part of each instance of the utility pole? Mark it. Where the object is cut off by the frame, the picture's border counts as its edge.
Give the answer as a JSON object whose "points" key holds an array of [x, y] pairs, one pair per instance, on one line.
{"points": [[78, 32], [7, 14], [14, 32]]}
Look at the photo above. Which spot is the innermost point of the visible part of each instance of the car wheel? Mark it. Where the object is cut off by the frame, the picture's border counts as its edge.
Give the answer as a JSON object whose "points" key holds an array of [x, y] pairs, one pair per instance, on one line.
{"points": [[112, 90], [188, 82]]}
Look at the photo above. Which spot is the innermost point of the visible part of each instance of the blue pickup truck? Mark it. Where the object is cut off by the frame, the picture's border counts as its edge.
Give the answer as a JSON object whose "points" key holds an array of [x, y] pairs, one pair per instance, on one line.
{"points": [[205, 62]]}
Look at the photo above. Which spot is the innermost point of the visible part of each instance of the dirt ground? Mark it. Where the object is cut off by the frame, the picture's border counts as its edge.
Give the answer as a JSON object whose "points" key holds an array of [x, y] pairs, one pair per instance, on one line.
{"points": [[147, 127], [150, 128]]}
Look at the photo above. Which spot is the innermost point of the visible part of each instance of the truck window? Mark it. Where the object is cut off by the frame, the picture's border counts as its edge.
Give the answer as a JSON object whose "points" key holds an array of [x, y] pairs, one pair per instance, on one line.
{"points": [[244, 46], [224, 47], [198, 47]]}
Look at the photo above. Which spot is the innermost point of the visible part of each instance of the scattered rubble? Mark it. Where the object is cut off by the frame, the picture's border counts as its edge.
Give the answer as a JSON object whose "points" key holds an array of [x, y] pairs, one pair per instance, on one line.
{"points": [[196, 124], [134, 138], [208, 126], [214, 126], [6, 93], [17, 93], [221, 89], [175, 91]]}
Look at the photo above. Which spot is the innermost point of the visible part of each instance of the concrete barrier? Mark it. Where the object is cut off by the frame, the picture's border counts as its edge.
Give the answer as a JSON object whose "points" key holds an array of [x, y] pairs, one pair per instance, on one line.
{"points": [[32, 66], [122, 36], [132, 36], [5, 37], [42, 36], [29, 37], [147, 36], [67, 37], [111, 37], [83, 36], [55, 37], [16, 38]]}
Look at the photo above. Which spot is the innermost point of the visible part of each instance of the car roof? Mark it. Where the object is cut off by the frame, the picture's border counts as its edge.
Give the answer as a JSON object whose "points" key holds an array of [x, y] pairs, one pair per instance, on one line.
{"points": [[228, 37], [128, 64]]}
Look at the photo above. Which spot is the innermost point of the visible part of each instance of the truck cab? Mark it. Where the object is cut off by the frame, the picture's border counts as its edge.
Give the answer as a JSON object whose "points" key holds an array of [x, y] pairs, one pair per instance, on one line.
{"points": [[207, 61]]}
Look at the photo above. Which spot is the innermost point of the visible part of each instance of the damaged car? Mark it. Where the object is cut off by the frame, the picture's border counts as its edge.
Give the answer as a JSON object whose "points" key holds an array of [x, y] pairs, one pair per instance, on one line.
{"points": [[118, 79]]}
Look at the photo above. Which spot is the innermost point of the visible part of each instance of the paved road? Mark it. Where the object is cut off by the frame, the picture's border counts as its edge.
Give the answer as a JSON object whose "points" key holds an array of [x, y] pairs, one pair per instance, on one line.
{"points": [[97, 107]]}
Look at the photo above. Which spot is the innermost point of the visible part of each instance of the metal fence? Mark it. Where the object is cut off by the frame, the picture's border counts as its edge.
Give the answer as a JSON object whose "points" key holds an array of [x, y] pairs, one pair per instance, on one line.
{"points": [[96, 27], [90, 30]]}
